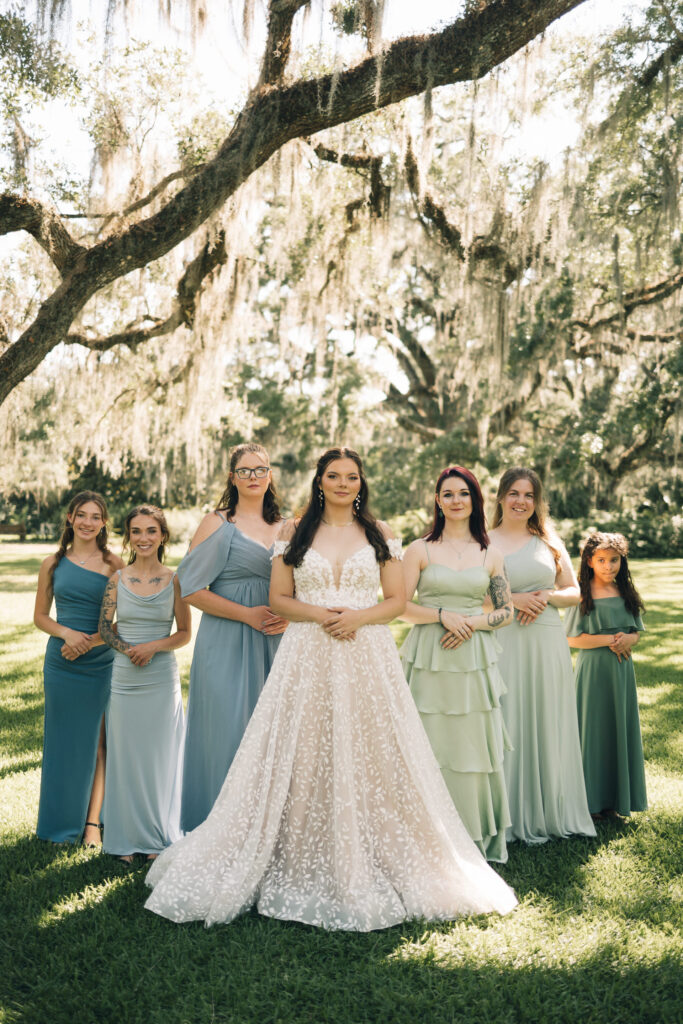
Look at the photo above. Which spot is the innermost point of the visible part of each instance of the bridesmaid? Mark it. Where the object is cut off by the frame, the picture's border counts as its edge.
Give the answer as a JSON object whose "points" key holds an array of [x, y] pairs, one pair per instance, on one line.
{"points": [[238, 634], [77, 674], [544, 773], [451, 658], [145, 724]]}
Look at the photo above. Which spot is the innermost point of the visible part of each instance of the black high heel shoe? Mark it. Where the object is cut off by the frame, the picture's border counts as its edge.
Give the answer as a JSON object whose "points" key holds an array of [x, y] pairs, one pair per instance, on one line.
{"points": [[99, 827]]}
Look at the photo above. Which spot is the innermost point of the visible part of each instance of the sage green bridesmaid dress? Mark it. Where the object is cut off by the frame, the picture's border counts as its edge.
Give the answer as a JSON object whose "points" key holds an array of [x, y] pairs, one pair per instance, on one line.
{"points": [[607, 704], [458, 694], [543, 771]]}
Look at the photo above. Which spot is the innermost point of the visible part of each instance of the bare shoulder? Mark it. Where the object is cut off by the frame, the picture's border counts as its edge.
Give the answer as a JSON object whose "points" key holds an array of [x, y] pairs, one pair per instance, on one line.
{"points": [[209, 524], [48, 564], [494, 561], [115, 563]]}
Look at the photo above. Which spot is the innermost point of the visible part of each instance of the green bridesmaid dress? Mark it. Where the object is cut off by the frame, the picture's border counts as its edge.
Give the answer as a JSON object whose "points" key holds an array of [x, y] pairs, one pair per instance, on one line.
{"points": [[607, 704], [457, 693], [543, 773]]}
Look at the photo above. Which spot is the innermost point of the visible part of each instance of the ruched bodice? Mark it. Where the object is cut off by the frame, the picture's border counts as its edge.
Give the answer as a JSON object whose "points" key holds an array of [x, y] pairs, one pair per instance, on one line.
{"points": [[230, 564], [543, 770], [78, 595], [76, 695], [144, 617], [532, 567], [230, 663], [460, 590]]}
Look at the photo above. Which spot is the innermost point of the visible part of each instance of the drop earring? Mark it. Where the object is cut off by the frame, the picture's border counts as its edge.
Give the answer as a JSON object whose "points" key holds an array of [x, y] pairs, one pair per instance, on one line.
{"points": [[321, 497], [356, 503]]}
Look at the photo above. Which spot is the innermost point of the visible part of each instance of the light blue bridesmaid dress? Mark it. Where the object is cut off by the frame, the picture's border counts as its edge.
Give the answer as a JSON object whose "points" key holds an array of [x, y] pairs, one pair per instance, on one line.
{"points": [[230, 663], [76, 695], [145, 732]]}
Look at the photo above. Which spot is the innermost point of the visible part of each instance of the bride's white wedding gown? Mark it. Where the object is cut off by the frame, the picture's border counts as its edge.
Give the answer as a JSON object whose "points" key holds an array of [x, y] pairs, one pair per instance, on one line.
{"points": [[334, 811]]}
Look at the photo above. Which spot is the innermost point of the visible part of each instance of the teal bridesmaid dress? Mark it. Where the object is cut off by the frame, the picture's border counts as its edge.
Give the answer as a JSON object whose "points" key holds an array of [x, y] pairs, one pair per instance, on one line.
{"points": [[76, 696], [607, 704], [543, 770], [458, 694], [145, 732], [229, 665]]}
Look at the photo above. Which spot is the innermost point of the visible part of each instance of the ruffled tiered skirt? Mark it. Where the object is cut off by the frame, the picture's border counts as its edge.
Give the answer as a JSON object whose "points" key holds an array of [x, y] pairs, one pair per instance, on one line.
{"points": [[457, 693]]}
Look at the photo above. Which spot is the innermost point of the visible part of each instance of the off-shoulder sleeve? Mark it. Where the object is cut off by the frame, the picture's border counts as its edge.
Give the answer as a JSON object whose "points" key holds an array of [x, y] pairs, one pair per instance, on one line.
{"points": [[395, 547], [574, 622], [279, 548], [638, 622], [203, 564]]}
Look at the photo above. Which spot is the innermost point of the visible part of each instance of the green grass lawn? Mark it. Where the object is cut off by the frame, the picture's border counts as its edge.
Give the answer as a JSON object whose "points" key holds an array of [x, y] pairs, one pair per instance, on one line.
{"points": [[597, 937]]}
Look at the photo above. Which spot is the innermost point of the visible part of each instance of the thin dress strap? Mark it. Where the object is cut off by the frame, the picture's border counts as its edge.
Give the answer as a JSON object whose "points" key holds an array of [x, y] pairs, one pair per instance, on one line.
{"points": [[427, 551], [221, 515]]}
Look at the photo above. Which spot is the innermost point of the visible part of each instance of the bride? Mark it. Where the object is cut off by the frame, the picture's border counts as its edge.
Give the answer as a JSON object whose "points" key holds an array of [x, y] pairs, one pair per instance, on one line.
{"points": [[334, 811]]}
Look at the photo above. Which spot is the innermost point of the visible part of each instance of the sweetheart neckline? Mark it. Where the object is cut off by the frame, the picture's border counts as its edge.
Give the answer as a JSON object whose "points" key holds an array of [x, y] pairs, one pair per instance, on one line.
{"points": [[344, 563]]}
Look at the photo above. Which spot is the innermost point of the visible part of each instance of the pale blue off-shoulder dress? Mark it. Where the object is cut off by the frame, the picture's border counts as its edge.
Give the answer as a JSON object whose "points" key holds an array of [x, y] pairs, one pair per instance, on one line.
{"points": [[229, 666]]}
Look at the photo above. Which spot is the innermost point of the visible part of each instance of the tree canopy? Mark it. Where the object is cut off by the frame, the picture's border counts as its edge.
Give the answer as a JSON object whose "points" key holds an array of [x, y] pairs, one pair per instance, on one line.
{"points": [[353, 249]]}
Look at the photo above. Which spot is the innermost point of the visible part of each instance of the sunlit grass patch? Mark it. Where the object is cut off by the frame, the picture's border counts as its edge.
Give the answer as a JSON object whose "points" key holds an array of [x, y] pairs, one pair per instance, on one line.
{"points": [[596, 938], [87, 898]]}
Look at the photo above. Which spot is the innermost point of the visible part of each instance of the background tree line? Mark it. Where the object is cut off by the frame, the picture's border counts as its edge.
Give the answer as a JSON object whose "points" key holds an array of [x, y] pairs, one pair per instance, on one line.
{"points": [[411, 282]]}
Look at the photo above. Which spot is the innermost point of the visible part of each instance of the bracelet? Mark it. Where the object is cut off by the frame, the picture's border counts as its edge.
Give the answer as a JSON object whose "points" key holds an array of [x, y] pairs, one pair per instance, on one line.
{"points": [[440, 619]]}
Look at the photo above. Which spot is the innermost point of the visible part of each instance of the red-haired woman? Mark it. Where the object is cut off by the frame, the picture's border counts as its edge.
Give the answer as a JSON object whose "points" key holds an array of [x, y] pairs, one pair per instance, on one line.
{"points": [[451, 658], [77, 674]]}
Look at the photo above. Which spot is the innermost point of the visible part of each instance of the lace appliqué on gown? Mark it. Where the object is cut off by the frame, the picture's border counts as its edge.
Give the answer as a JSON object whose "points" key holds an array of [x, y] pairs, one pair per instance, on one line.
{"points": [[334, 811]]}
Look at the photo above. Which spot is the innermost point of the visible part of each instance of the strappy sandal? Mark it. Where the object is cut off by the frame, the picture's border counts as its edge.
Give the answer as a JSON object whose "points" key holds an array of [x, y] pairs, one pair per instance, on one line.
{"points": [[99, 827]]}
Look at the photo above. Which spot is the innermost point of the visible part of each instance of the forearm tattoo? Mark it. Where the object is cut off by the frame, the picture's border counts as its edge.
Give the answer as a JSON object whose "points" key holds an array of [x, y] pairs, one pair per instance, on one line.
{"points": [[106, 627], [499, 589]]}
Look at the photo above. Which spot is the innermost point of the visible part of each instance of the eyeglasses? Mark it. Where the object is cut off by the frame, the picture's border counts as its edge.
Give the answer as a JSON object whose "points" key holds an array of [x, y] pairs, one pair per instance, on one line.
{"points": [[245, 474]]}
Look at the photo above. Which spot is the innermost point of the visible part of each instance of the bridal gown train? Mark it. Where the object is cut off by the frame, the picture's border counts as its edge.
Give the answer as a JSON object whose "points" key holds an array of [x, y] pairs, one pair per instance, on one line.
{"points": [[334, 811]]}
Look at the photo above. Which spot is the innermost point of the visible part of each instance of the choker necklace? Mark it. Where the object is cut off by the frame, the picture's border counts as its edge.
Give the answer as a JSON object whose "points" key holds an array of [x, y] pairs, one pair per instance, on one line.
{"points": [[338, 525]]}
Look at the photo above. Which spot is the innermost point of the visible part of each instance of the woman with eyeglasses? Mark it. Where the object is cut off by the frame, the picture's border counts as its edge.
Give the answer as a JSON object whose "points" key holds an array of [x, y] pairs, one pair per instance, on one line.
{"points": [[226, 574]]}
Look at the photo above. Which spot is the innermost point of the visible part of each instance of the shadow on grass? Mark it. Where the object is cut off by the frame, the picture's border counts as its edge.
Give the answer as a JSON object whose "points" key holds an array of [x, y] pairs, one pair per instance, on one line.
{"points": [[21, 729], [79, 947]]}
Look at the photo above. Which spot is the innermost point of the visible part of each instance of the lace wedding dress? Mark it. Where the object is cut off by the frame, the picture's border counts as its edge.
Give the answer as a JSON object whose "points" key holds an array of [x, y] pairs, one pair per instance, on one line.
{"points": [[334, 811]]}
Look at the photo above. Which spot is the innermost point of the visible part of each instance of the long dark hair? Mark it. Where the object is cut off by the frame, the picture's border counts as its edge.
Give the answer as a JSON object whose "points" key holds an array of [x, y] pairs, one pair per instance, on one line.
{"points": [[230, 496], [537, 521], [477, 515], [157, 514], [313, 513], [625, 585], [102, 538]]}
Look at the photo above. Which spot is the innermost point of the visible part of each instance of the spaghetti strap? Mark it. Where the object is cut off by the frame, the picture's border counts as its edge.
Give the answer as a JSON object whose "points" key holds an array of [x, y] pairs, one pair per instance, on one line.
{"points": [[219, 513], [427, 551]]}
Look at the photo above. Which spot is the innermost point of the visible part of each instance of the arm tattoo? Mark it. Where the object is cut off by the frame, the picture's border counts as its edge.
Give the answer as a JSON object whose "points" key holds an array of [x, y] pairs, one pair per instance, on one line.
{"points": [[106, 628], [499, 589]]}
